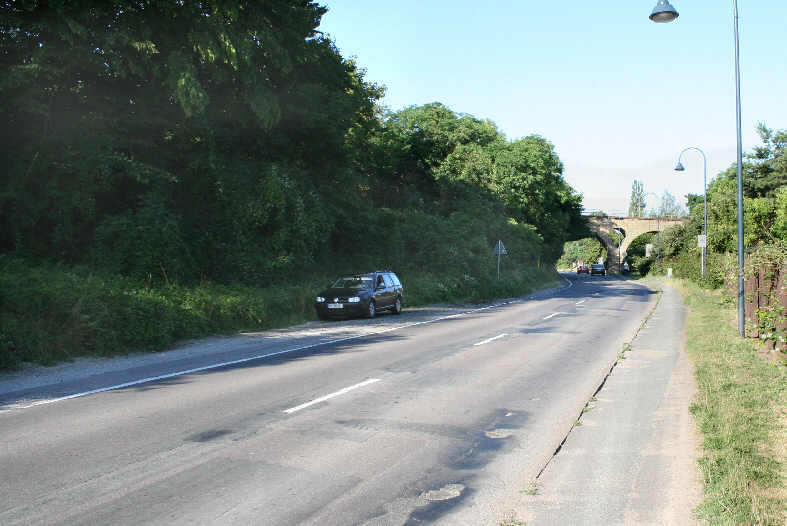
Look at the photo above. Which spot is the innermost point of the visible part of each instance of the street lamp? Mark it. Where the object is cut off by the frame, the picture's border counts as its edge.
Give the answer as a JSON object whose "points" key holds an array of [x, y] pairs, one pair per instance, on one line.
{"points": [[679, 168], [664, 12]]}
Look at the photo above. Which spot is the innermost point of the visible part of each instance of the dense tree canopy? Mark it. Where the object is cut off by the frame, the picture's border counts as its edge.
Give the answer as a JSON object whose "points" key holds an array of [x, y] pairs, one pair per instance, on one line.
{"points": [[231, 141]]}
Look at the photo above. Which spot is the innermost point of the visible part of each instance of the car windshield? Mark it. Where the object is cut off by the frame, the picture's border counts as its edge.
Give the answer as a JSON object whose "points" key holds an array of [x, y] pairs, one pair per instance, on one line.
{"points": [[353, 282], [598, 266]]}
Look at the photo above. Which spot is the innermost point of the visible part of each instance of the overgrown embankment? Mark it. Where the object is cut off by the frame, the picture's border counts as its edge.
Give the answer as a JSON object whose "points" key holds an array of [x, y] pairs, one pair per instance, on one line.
{"points": [[175, 169], [741, 410], [53, 312]]}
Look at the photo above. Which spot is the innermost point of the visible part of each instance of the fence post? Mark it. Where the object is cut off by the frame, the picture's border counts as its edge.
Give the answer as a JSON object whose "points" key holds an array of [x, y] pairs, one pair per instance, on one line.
{"points": [[751, 296], [765, 300], [781, 297]]}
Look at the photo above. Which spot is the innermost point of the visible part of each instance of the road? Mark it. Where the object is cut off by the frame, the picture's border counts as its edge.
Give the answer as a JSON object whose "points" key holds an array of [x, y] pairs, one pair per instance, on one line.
{"points": [[411, 419]]}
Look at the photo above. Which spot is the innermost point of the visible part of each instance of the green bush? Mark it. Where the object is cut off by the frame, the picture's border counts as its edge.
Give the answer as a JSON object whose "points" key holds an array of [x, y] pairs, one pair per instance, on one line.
{"points": [[688, 265], [642, 264], [51, 313]]}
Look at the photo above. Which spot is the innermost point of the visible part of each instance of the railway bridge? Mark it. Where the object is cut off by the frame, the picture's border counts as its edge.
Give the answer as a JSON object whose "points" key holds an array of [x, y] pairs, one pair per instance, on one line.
{"points": [[631, 228]]}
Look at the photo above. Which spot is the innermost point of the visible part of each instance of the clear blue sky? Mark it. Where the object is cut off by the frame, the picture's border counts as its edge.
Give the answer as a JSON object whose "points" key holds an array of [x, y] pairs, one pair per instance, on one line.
{"points": [[618, 95]]}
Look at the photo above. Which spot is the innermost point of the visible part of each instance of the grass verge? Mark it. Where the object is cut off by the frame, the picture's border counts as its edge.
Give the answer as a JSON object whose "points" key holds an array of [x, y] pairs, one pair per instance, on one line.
{"points": [[54, 313], [741, 410]]}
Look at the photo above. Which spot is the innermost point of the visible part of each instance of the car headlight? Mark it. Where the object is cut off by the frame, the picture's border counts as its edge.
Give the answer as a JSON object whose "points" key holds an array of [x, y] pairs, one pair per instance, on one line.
{"points": [[354, 299], [319, 299]]}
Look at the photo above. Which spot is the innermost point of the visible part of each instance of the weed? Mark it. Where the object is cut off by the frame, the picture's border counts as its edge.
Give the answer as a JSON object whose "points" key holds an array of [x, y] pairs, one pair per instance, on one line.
{"points": [[512, 520], [532, 489]]}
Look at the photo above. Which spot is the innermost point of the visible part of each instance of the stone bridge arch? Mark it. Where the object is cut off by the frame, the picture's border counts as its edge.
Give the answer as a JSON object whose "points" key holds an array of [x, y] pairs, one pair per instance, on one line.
{"points": [[632, 228]]}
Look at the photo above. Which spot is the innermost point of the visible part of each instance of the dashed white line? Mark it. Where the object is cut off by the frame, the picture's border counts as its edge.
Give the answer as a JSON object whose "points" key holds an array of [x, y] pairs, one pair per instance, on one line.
{"points": [[490, 339], [553, 315], [241, 360], [580, 302], [332, 395]]}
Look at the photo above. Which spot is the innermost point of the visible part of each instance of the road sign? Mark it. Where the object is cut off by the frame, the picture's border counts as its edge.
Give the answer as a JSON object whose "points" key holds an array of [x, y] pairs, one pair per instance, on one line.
{"points": [[702, 241], [500, 250]]}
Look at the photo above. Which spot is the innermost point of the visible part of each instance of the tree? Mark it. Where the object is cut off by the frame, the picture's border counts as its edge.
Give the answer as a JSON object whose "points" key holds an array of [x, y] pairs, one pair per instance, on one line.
{"points": [[637, 200], [529, 178], [234, 119], [670, 207], [766, 170]]}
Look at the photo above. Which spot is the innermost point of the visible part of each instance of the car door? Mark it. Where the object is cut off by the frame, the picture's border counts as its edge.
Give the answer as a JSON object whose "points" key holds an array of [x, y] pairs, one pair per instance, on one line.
{"points": [[380, 292], [390, 290]]}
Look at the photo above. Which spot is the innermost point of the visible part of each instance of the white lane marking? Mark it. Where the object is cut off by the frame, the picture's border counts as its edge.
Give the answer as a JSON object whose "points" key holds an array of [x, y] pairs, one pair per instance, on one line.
{"points": [[332, 395], [553, 315], [239, 361], [580, 302], [491, 339]]}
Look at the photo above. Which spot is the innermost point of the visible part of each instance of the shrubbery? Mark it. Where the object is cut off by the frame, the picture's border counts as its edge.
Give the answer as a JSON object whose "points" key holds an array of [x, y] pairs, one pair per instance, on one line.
{"points": [[50, 312]]}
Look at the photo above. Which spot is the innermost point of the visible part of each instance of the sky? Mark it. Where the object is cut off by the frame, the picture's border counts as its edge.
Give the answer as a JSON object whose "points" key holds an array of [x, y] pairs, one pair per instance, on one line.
{"points": [[618, 95]]}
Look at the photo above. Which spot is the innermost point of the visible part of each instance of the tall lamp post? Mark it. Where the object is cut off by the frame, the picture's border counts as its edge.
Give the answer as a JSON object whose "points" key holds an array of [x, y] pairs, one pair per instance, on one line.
{"points": [[664, 12], [679, 168]]}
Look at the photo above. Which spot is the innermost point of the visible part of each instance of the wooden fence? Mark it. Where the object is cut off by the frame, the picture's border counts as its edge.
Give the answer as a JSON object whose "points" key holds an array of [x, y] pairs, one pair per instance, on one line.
{"points": [[765, 291]]}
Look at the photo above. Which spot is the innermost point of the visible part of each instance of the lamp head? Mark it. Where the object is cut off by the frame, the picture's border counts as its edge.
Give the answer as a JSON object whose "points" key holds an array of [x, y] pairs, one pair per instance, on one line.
{"points": [[663, 12], [679, 167]]}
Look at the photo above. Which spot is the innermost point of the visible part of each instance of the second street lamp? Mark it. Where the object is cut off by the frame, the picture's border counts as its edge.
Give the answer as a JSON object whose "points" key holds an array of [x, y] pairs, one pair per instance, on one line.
{"points": [[679, 168], [664, 12]]}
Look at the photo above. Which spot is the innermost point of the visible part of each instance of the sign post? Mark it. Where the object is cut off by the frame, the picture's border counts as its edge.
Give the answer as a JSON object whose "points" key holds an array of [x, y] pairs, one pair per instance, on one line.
{"points": [[702, 242], [499, 250]]}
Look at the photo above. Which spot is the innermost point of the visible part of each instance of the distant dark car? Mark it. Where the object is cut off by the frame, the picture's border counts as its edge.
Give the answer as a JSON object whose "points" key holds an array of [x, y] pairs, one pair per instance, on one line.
{"points": [[363, 294], [583, 269], [598, 269]]}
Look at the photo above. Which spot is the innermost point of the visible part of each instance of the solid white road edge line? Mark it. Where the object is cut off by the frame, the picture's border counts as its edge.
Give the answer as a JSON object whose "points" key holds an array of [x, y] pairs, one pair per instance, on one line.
{"points": [[491, 339], [241, 360], [332, 395]]}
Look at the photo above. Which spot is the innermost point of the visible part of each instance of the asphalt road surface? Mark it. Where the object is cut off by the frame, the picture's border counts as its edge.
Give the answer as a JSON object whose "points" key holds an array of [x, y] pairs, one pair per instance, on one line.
{"points": [[434, 416]]}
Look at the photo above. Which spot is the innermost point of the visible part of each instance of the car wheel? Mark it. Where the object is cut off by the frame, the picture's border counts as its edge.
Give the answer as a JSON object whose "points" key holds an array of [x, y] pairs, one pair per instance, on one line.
{"points": [[372, 310], [397, 306]]}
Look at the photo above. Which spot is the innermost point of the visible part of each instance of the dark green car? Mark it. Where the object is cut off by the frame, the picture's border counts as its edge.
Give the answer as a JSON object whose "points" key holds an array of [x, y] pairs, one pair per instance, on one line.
{"points": [[362, 294]]}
